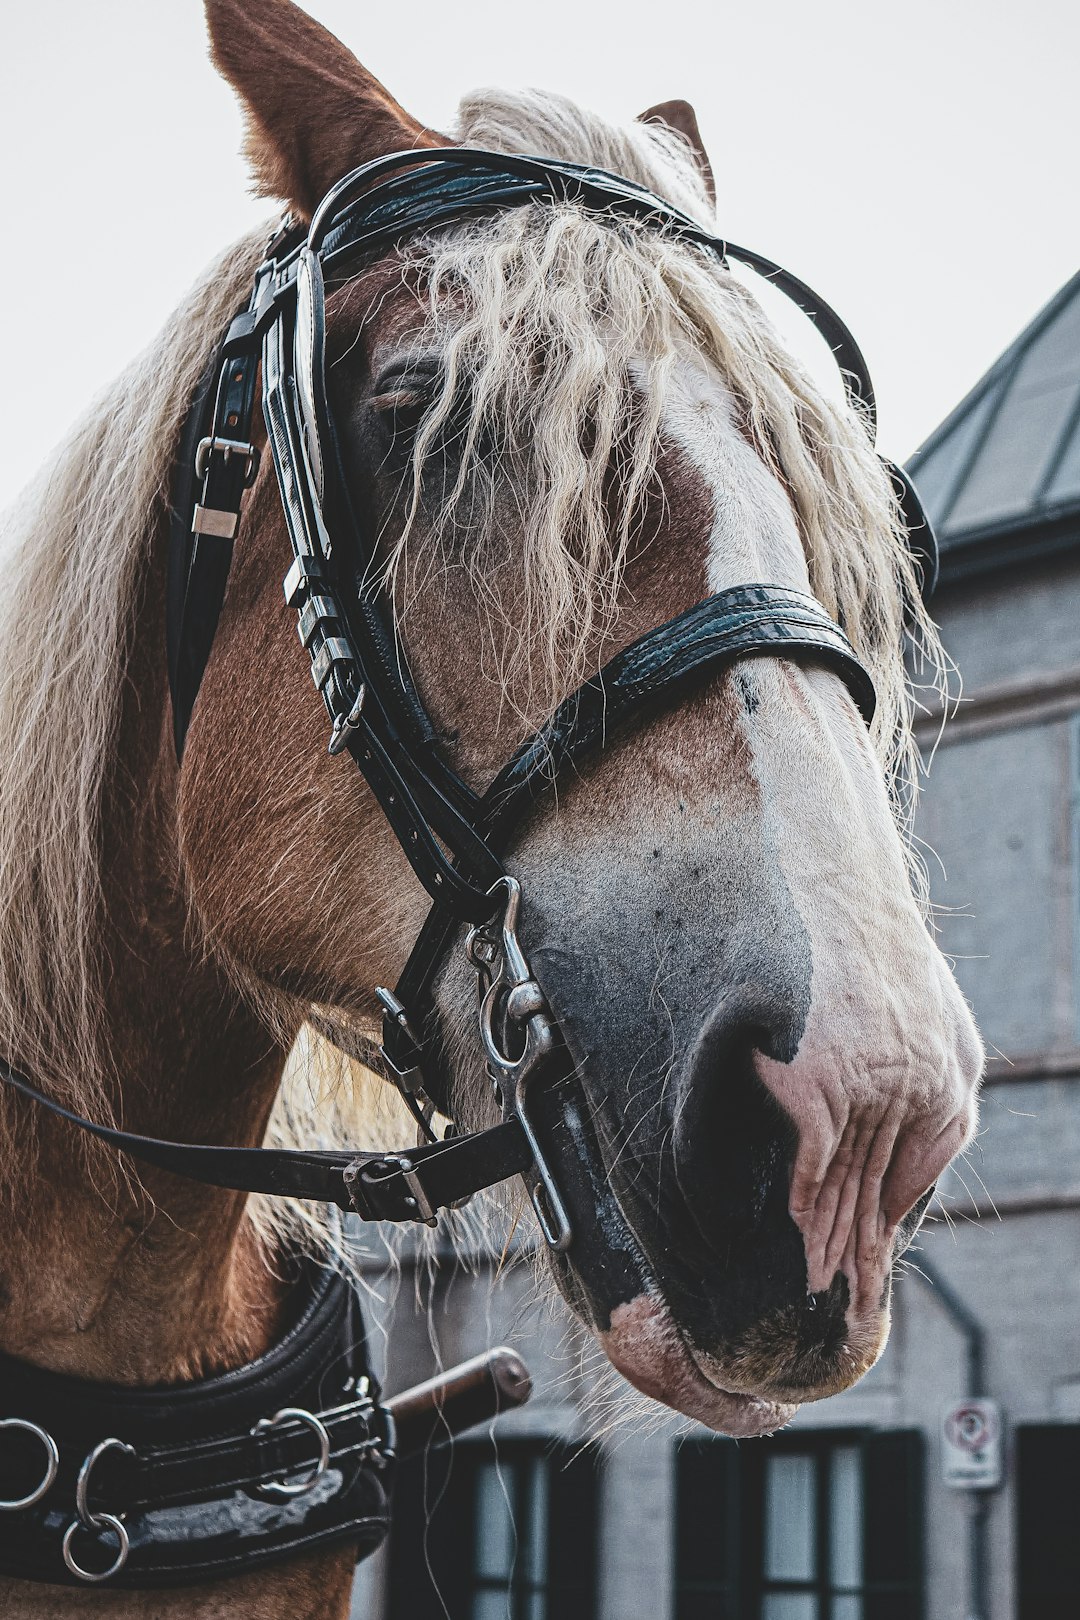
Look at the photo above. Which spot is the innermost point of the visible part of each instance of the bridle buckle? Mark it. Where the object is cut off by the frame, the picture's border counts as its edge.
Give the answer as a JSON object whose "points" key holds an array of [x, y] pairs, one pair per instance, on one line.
{"points": [[346, 728], [228, 448], [386, 1167], [424, 1210]]}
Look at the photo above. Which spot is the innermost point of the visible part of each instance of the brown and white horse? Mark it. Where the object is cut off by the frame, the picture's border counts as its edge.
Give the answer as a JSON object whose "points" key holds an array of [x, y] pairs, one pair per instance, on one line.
{"points": [[563, 434]]}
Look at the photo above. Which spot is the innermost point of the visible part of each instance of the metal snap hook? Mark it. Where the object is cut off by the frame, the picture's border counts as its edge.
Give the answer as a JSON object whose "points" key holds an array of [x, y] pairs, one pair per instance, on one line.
{"points": [[280, 1490], [52, 1463], [511, 1001]]}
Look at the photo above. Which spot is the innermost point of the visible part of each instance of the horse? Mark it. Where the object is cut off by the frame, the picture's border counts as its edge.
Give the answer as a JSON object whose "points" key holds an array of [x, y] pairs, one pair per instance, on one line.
{"points": [[562, 428]]}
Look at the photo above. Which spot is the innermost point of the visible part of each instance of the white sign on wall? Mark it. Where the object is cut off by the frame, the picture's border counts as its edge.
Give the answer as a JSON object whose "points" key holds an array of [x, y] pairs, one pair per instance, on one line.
{"points": [[971, 1445]]}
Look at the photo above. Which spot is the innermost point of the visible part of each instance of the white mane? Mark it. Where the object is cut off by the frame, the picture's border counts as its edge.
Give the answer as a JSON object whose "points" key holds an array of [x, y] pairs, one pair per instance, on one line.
{"points": [[75, 548]]}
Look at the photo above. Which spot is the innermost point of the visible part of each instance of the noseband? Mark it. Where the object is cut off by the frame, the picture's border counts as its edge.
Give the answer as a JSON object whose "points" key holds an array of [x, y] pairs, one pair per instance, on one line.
{"points": [[453, 837]]}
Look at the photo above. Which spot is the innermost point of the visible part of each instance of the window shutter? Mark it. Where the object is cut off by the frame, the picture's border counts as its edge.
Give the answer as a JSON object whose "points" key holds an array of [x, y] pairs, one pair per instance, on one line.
{"points": [[572, 1534], [893, 1484], [431, 1547], [708, 1530], [1048, 1521]]}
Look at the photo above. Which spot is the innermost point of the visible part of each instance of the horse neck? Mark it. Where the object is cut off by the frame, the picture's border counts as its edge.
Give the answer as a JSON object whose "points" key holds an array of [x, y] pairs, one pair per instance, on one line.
{"points": [[144, 1278]]}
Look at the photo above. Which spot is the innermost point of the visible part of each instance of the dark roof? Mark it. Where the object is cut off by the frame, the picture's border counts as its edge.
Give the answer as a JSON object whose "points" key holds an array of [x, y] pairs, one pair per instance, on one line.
{"points": [[1005, 464]]}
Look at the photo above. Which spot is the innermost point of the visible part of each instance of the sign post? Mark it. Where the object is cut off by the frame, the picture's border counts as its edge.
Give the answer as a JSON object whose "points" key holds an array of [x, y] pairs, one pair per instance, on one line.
{"points": [[971, 1445]]}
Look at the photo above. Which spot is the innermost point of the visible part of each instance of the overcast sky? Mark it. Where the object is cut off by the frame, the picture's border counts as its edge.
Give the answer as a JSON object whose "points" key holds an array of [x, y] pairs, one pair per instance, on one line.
{"points": [[915, 163]]}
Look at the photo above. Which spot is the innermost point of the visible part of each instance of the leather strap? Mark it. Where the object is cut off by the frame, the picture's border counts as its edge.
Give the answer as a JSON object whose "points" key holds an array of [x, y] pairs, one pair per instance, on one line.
{"points": [[746, 621], [408, 192], [412, 1185], [216, 465]]}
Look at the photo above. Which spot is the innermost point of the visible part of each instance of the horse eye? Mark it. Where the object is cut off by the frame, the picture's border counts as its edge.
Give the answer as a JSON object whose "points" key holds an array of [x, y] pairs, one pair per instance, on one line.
{"points": [[401, 411], [403, 396]]}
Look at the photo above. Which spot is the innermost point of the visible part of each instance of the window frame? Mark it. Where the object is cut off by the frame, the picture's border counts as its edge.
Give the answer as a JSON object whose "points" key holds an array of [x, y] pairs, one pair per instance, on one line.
{"points": [[741, 1586]]}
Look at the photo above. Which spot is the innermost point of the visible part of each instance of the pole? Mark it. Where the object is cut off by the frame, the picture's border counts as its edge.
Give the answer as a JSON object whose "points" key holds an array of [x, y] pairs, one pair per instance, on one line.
{"points": [[974, 1335]]}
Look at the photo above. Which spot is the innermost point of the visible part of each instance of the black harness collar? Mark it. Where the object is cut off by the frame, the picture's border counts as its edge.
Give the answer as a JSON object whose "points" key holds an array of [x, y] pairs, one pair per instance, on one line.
{"points": [[164, 1487]]}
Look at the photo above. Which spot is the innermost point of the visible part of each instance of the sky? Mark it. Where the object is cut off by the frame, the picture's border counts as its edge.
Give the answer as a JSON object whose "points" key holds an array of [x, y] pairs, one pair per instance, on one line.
{"points": [[916, 163]]}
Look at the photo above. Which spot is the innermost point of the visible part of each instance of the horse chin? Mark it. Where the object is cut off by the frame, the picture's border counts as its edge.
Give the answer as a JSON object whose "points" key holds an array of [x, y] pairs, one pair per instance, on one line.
{"points": [[644, 1343], [800, 1378]]}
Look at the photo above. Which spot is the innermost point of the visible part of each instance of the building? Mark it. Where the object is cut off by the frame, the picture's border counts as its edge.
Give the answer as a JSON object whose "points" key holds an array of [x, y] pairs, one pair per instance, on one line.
{"points": [[847, 1516]]}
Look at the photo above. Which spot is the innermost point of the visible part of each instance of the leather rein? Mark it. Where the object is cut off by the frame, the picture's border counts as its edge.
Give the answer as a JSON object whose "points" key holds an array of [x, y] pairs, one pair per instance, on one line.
{"points": [[452, 837]]}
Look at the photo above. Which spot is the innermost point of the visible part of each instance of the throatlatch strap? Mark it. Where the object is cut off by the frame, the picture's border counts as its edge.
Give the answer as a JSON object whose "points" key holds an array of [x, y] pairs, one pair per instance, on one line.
{"points": [[412, 1185]]}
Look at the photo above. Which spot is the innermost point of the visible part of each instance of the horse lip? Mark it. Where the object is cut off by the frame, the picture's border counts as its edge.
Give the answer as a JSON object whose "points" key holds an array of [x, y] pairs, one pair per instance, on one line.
{"points": [[646, 1345]]}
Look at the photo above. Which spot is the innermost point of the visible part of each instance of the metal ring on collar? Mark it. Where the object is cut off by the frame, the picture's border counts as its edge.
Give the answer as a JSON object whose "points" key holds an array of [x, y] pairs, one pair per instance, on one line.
{"points": [[82, 1484], [52, 1463], [280, 1489], [98, 1521]]}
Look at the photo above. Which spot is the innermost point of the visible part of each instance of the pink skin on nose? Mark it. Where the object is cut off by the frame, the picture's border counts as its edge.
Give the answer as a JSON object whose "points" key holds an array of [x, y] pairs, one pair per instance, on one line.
{"points": [[870, 1144], [881, 1088]]}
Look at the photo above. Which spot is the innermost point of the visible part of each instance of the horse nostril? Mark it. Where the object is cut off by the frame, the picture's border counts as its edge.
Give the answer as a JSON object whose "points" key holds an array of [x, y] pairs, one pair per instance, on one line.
{"points": [[732, 1145]]}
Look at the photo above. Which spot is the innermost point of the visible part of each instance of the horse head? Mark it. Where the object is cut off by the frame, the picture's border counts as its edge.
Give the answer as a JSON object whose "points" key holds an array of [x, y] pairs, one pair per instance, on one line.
{"points": [[560, 431]]}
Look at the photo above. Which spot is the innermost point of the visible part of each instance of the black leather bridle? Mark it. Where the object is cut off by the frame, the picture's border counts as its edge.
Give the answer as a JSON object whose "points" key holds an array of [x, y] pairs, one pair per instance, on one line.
{"points": [[453, 837], [295, 1450]]}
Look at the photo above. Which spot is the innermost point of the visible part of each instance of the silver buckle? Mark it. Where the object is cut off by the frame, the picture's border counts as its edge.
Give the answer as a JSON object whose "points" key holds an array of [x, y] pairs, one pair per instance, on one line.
{"points": [[52, 1462], [345, 730], [281, 1490], [418, 1197], [228, 448]]}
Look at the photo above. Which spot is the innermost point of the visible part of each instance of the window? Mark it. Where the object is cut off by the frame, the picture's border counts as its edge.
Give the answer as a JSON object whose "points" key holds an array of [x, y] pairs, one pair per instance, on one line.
{"points": [[504, 1532], [510, 1570], [801, 1527]]}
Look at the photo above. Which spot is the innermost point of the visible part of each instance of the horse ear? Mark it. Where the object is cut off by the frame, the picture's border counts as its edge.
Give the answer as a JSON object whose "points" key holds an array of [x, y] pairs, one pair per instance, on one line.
{"points": [[313, 112], [681, 117]]}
